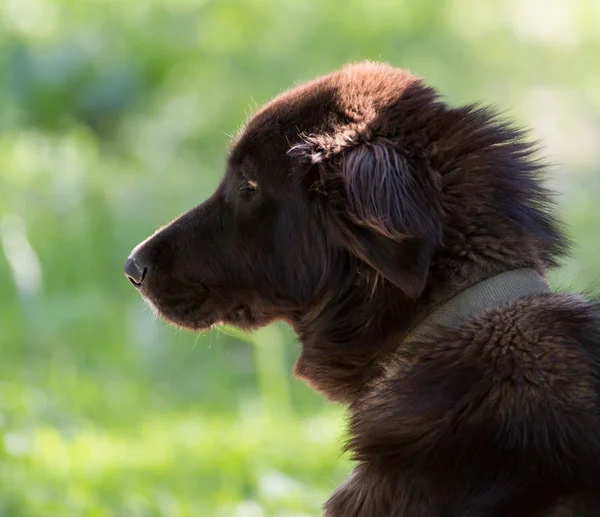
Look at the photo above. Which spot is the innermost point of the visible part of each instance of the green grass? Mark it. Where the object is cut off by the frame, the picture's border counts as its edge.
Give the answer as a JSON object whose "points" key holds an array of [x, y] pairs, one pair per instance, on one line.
{"points": [[173, 464]]}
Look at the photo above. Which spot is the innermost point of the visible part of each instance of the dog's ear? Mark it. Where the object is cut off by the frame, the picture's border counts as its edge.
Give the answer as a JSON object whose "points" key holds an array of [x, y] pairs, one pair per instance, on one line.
{"points": [[388, 214]]}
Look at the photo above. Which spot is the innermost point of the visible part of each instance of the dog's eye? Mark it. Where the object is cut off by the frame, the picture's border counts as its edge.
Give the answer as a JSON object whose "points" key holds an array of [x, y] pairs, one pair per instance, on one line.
{"points": [[249, 186]]}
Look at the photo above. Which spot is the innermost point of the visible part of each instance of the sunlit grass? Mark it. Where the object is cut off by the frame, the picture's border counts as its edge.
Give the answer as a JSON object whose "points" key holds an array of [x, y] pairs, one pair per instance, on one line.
{"points": [[194, 464]]}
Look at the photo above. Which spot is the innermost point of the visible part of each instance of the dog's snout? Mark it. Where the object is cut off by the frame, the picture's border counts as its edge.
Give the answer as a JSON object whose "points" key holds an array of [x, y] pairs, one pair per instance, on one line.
{"points": [[136, 270]]}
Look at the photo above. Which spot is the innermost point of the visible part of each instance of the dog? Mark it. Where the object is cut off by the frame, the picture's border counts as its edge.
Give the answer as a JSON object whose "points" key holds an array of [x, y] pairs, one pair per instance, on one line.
{"points": [[406, 242]]}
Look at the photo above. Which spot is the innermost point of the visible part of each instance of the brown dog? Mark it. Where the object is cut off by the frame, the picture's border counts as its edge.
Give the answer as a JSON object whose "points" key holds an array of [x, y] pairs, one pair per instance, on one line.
{"points": [[405, 241]]}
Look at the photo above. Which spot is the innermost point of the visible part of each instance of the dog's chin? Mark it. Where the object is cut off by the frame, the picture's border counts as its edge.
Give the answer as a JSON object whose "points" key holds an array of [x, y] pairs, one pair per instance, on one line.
{"points": [[242, 317], [203, 319], [191, 324]]}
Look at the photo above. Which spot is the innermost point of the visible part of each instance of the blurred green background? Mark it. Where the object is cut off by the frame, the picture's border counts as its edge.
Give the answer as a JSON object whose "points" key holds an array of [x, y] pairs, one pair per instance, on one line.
{"points": [[115, 117]]}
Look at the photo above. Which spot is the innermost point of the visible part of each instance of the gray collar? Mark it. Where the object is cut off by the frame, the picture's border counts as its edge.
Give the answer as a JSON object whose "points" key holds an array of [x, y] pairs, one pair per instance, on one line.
{"points": [[489, 293]]}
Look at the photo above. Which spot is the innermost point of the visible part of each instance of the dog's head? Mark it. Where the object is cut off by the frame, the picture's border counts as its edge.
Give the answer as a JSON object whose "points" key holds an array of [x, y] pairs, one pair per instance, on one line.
{"points": [[346, 203], [314, 196]]}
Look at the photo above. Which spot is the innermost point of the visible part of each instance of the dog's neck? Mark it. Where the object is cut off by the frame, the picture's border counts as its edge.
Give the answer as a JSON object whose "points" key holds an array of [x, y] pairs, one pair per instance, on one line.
{"points": [[342, 364], [487, 294]]}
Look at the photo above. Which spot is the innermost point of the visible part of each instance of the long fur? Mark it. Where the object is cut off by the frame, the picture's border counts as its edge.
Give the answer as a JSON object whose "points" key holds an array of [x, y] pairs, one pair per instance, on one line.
{"points": [[352, 206]]}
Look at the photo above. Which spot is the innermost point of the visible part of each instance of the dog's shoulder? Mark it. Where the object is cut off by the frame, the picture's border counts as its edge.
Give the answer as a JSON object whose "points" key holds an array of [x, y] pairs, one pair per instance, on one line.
{"points": [[501, 413], [517, 387]]}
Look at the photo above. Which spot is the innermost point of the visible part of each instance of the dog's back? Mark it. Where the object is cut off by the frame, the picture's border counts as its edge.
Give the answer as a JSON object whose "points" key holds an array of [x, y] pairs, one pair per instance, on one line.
{"points": [[499, 416]]}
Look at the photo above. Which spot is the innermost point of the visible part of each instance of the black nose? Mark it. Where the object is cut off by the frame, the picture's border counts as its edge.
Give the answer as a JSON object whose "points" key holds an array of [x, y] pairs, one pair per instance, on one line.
{"points": [[136, 271]]}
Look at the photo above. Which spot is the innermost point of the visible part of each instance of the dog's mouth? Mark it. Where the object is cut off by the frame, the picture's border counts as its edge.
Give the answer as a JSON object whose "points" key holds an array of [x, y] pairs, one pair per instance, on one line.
{"points": [[200, 312]]}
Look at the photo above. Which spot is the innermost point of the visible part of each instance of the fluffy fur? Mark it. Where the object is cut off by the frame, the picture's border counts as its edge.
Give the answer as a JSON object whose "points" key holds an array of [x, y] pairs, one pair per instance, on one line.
{"points": [[351, 207]]}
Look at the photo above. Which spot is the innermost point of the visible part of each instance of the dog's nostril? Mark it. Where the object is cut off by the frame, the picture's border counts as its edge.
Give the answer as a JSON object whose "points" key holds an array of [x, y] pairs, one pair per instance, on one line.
{"points": [[133, 282], [136, 283], [135, 272]]}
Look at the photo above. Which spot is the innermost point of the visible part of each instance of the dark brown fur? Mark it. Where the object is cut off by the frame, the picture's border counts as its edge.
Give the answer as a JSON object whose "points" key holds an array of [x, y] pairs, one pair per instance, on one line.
{"points": [[351, 207]]}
